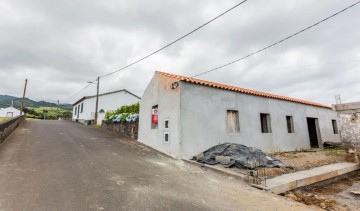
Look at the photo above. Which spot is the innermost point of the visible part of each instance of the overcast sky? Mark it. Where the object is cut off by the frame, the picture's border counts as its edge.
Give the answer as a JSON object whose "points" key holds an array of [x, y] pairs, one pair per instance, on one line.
{"points": [[60, 45]]}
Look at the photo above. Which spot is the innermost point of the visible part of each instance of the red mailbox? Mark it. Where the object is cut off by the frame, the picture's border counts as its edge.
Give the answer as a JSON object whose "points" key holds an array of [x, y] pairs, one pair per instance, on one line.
{"points": [[154, 116]]}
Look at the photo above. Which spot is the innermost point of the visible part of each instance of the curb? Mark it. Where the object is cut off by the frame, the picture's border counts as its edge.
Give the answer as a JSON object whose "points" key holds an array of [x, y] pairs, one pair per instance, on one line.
{"points": [[213, 169]]}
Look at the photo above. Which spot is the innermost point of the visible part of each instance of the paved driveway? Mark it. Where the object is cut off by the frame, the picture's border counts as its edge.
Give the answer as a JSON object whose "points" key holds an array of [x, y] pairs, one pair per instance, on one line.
{"points": [[61, 165]]}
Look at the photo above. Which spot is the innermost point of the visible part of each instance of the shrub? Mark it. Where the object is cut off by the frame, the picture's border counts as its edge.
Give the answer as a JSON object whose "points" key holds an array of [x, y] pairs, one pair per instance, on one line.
{"points": [[126, 113]]}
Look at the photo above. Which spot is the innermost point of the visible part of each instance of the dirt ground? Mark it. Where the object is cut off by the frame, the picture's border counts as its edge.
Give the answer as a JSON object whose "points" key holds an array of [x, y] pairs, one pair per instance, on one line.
{"points": [[304, 160], [335, 196], [301, 160], [311, 159]]}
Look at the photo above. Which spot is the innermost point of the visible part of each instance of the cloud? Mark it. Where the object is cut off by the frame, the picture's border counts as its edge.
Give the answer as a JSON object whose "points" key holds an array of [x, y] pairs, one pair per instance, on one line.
{"points": [[60, 45]]}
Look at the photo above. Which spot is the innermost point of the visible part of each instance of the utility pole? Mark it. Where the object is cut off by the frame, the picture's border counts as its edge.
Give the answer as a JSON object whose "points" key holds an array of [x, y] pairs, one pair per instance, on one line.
{"points": [[57, 109], [97, 101], [338, 99], [23, 98]]}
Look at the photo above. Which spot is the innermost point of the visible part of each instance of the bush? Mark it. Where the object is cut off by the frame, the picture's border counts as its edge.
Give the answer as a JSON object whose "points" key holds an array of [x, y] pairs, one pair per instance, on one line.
{"points": [[130, 109], [126, 113]]}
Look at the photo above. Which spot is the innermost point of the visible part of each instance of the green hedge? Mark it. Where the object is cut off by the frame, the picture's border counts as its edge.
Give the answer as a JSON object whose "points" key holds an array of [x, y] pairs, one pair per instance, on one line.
{"points": [[126, 109]]}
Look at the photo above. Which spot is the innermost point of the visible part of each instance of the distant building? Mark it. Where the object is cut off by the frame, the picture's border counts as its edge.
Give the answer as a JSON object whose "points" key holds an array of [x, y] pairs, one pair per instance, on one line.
{"points": [[183, 116], [9, 112], [84, 108], [349, 122]]}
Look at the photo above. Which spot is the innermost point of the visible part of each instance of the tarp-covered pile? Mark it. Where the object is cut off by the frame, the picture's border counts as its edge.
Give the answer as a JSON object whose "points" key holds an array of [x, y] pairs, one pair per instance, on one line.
{"points": [[240, 156]]}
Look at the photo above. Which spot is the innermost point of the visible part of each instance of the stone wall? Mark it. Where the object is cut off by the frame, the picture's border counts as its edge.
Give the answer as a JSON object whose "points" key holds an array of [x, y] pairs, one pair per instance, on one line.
{"points": [[7, 127], [349, 122], [349, 125], [128, 129]]}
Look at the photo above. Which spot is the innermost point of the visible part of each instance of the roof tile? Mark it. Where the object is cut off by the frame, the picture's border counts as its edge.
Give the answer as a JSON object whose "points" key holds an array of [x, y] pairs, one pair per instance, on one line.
{"points": [[238, 89]]}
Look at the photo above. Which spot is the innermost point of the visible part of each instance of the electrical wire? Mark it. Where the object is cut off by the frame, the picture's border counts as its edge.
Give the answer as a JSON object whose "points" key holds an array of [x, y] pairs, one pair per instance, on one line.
{"points": [[278, 42], [162, 48], [78, 92], [175, 41], [310, 65]]}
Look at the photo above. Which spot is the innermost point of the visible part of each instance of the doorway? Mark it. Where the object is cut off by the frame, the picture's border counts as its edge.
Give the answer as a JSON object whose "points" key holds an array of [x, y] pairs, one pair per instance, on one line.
{"points": [[314, 132], [10, 114]]}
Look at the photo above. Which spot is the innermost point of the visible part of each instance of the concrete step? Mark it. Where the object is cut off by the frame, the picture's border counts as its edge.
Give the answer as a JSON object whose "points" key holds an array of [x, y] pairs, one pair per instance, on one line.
{"points": [[286, 182]]}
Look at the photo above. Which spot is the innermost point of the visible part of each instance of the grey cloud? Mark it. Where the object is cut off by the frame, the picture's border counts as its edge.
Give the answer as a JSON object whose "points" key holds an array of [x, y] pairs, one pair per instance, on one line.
{"points": [[59, 45]]}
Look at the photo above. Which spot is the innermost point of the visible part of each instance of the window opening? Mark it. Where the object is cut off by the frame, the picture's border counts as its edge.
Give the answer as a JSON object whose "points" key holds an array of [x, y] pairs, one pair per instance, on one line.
{"points": [[166, 124], [265, 123], [233, 124], [290, 124], [166, 137], [335, 128]]}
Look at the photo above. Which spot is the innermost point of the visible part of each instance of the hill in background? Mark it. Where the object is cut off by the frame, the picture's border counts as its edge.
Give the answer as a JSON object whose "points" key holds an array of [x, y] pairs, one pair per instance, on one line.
{"points": [[38, 109], [5, 101]]}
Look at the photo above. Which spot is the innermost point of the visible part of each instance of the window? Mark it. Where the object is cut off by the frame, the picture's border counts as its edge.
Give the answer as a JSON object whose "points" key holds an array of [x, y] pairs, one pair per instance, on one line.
{"points": [[166, 124], [78, 109], [82, 107], [233, 124], [335, 128], [75, 110], [290, 124], [166, 137], [265, 123]]}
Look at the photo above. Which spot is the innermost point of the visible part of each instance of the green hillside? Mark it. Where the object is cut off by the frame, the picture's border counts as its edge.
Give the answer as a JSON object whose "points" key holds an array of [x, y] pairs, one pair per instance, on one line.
{"points": [[48, 112], [5, 101], [35, 109]]}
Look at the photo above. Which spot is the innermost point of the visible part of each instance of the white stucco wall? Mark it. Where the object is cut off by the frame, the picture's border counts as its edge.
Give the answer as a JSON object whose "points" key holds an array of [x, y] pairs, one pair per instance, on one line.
{"points": [[5, 112], [89, 108], [204, 112], [106, 102], [159, 93]]}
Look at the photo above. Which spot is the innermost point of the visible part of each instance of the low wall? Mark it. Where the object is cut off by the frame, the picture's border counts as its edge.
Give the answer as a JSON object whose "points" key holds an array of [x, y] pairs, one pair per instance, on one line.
{"points": [[349, 125], [128, 129], [7, 127], [349, 122]]}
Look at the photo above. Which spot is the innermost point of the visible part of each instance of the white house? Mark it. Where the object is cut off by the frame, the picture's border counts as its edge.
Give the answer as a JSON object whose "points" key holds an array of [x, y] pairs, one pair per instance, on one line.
{"points": [[9, 112], [183, 116], [84, 109]]}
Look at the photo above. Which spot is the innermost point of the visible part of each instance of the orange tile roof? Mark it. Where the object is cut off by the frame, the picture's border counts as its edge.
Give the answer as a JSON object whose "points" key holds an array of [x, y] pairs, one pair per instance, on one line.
{"points": [[238, 89]]}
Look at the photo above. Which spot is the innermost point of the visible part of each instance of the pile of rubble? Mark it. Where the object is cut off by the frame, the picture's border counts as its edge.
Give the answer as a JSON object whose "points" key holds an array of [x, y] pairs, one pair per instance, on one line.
{"points": [[237, 155]]}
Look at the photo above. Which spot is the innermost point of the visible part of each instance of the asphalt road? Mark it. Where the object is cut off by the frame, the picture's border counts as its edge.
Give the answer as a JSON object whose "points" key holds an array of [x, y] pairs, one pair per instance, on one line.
{"points": [[61, 165]]}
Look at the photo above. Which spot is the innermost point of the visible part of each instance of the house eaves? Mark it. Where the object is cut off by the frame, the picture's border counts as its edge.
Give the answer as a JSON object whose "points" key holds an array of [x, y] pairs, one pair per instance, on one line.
{"points": [[107, 93], [240, 90]]}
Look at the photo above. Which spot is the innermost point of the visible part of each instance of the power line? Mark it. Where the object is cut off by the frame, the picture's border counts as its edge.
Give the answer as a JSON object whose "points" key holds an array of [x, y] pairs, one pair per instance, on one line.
{"points": [[315, 64], [278, 42], [324, 63], [77, 92], [175, 41], [162, 48]]}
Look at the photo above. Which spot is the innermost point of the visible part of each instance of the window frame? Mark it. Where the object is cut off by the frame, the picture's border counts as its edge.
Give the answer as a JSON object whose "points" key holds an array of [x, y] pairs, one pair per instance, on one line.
{"points": [[234, 126], [335, 126], [168, 137], [290, 120], [268, 123], [168, 124]]}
